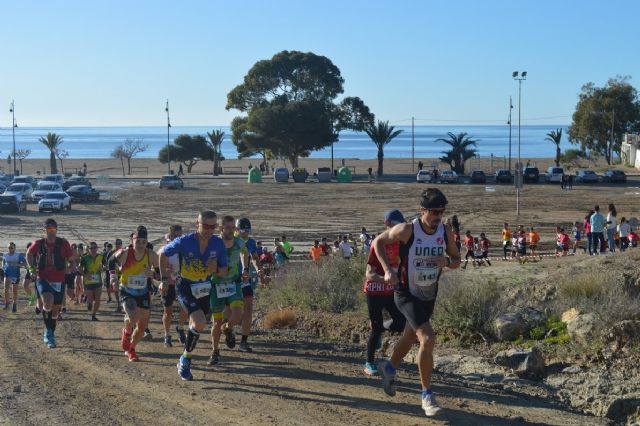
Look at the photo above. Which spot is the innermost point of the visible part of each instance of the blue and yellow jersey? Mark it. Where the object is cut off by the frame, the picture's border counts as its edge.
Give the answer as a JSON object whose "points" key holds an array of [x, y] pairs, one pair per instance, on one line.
{"points": [[193, 264]]}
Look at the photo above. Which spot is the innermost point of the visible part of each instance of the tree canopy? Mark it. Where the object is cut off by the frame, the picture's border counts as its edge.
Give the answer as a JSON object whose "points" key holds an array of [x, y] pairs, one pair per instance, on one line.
{"points": [[603, 114], [187, 150], [555, 136], [462, 149], [52, 141], [290, 107], [381, 134]]}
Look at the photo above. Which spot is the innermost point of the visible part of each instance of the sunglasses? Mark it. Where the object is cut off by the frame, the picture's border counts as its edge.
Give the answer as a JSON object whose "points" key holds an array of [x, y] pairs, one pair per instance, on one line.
{"points": [[436, 212], [51, 228], [210, 227]]}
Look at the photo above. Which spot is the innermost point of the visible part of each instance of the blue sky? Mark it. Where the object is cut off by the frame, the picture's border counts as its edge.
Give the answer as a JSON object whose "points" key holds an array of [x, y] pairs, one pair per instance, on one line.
{"points": [[80, 63]]}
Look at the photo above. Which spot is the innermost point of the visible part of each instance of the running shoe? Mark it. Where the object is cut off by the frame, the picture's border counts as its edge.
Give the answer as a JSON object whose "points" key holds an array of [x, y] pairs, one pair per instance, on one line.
{"points": [[429, 405], [45, 335], [94, 318], [109, 302], [244, 347], [184, 368], [167, 342], [181, 336], [37, 311], [229, 337], [52, 340], [14, 308], [131, 353], [388, 377], [124, 340], [147, 334], [214, 358], [64, 310], [370, 369]]}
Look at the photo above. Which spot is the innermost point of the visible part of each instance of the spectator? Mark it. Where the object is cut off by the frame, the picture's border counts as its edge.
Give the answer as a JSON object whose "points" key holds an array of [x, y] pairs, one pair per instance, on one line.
{"points": [[597, 230], [326, 248], [612, 226], [587, 231], [624, 229], [316, 252], [345, 248]]}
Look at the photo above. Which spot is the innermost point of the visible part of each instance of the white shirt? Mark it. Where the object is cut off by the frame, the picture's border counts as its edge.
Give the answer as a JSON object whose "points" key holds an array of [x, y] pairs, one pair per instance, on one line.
{"points": [[347, 251], [612, 219]]}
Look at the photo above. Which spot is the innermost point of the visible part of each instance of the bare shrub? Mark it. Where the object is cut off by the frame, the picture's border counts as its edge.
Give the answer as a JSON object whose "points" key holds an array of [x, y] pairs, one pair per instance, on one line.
{"points": [[282, 318]]}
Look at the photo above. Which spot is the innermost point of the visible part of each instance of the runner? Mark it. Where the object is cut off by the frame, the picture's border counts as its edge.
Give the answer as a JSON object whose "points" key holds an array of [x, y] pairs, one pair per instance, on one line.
{"points": [[72, 272], [79, 289], [50, 256], [250, 272], [484, 248], [11, 264], [286, 247], [380, 294], [226, 294], [521, 245], [91, 267], [34, 297], [168, 289], [111, 251], [137, 263], [426, 248], [468, 244], [575, 231], [534, 238], [114, 273], [316, 252], [202, 254], [506, 240]]}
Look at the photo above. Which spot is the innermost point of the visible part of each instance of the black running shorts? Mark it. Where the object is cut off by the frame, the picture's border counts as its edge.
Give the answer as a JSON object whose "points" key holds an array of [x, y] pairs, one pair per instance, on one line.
{"points": [[416, 311]]}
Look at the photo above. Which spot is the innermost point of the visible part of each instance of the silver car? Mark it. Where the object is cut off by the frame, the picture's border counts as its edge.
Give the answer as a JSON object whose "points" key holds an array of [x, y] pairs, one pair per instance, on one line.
{"points": [[22, 190], [43, 188], [171, 182]]}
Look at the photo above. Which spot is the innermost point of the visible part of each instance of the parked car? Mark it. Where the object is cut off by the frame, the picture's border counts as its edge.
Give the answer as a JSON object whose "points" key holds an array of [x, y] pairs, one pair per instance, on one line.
{"points": [[503, 176], [171, 182], [3, 187], [55, 201], [448, 176], [478, 176], [6, 179], [23, 190], [12, 203], [43, 188], [25, 179], [57, 178], [423, 176], [531, 175], [614, 176], [587, 176], [554, 174], [75, 180], [83, 193]]}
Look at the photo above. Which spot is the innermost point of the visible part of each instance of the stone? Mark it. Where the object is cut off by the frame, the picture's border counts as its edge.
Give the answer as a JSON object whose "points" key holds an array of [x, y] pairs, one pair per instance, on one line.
{"points": [[569, 315], [532, 317], [581, 328], [574, 369], [622, 407], [525, 363], [624, 331], [509, 326]]}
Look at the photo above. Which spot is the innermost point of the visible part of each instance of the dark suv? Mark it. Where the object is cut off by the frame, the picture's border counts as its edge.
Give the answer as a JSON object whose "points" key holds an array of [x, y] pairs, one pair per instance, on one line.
{"points": [[12, 203], [504, 176], [531, 175], [478, 176]]}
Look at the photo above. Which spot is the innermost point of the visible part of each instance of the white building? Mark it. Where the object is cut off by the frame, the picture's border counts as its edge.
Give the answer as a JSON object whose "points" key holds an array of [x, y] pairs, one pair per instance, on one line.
{"points": [[629, 149]]}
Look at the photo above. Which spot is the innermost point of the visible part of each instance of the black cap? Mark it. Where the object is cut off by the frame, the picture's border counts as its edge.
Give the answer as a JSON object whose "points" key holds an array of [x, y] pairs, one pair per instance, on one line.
{"points": [[50, 222]]}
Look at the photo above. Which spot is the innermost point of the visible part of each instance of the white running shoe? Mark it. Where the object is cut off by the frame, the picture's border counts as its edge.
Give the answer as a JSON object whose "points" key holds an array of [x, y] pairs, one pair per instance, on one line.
{"points": [[430, 406]]}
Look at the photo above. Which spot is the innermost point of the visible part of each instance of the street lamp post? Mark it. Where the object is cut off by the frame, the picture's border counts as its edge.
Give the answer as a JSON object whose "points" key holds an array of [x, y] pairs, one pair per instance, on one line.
{"points": [[509, 123], [168, 149], [519, 76], [13, 131]]}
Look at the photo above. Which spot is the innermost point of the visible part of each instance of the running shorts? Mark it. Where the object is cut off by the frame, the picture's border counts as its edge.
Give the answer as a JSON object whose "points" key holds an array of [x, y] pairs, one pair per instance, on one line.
{"points": [[142, 302], [57, 289], [217, 303], [170, 297], [416, 311], [189, 302], [70, 280]]}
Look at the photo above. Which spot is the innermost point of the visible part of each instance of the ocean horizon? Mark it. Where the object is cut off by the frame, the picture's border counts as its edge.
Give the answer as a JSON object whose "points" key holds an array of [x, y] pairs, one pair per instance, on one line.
{"points": [[99, 142]]}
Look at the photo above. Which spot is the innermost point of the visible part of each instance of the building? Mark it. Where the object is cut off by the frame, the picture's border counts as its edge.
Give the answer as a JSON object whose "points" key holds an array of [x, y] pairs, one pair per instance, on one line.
{"points": [[629, 150]]}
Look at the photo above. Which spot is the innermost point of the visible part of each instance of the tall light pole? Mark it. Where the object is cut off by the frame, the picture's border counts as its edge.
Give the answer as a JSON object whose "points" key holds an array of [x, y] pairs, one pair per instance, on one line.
{"points": [[168, 149], [522, 76], [13, 131], [509, 123]]}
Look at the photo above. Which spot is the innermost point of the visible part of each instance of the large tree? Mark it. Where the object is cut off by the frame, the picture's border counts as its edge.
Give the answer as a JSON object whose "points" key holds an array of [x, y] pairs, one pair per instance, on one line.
{"points": [[603, 114], [187, 150], [215, 140], [52, 142], [381, 134], [131, 148], [555, 136], [290, 107], [462, 149]]}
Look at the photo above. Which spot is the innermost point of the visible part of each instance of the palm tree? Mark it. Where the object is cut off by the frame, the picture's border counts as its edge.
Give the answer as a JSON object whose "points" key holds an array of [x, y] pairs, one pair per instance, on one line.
{"points": [[52, 142], [460, 151], [215, 138], [555, 136], [381, 134]]}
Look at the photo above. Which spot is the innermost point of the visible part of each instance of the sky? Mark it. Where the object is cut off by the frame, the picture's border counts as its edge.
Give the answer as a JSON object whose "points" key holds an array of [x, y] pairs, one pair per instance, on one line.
{"points": [[115, 63]]}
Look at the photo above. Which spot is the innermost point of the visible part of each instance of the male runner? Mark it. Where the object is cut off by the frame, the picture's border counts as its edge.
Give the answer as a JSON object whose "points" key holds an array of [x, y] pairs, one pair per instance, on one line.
{"points": [[168, 288], [250, 269], [49, 256], [113, 274], [91, 267], [227, 291], [11, 264], [426, 248], [202, 254]]}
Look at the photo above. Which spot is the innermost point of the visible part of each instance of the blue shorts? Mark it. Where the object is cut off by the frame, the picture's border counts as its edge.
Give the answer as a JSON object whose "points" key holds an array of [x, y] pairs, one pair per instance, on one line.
{"points": [[43, 287], [189, 303], [15, 279]]}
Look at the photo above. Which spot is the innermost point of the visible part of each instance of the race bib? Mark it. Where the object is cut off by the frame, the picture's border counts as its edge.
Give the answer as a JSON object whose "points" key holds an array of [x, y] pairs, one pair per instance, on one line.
{"points": [[93, 279], [426, 272], [57, 287], [137, 282], [200, 289], [225, 290]]}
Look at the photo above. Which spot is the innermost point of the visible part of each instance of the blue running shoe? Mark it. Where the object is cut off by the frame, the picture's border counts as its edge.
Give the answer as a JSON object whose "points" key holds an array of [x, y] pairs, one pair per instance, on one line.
{"points": [[370, 369], [184, 368], [51, 340], [388, 377]]}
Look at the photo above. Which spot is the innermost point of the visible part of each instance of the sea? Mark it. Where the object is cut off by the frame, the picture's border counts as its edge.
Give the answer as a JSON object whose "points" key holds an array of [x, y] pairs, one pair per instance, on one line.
{"points": [[99, 142]]}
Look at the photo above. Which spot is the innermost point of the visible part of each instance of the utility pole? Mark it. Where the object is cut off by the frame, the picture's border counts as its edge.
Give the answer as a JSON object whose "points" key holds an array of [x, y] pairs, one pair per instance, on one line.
{"points": [[168, 148], [12, 110], [509, 123], [522, 76]]}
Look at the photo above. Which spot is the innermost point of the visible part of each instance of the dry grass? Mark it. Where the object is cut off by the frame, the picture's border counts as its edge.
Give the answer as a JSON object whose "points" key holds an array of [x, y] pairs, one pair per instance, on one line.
{"points": [[283, 318]]}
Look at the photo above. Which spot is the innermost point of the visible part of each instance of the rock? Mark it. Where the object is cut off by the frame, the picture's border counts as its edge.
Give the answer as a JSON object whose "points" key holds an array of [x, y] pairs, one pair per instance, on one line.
{"points": [[569, 315], [582, 327], [526, 363], [622, 407], [624, 331], [509, 326], [532, 317], [574, 369]]}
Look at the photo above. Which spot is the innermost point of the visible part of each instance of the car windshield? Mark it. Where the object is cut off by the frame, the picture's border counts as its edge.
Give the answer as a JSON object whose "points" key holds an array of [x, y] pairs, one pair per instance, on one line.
{"points": [[55, 196], [79, 188], [47, 186], [557, 170], [16, 187], [169, 178]]}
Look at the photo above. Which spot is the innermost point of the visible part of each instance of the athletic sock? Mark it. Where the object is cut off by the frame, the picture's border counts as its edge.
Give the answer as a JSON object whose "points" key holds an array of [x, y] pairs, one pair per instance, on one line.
{"points": [[46, 316], [426, 392]]}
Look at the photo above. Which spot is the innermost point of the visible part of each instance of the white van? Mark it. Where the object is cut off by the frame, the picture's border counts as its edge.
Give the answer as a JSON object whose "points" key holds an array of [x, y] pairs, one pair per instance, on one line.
{"points": [[554, 174]]}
